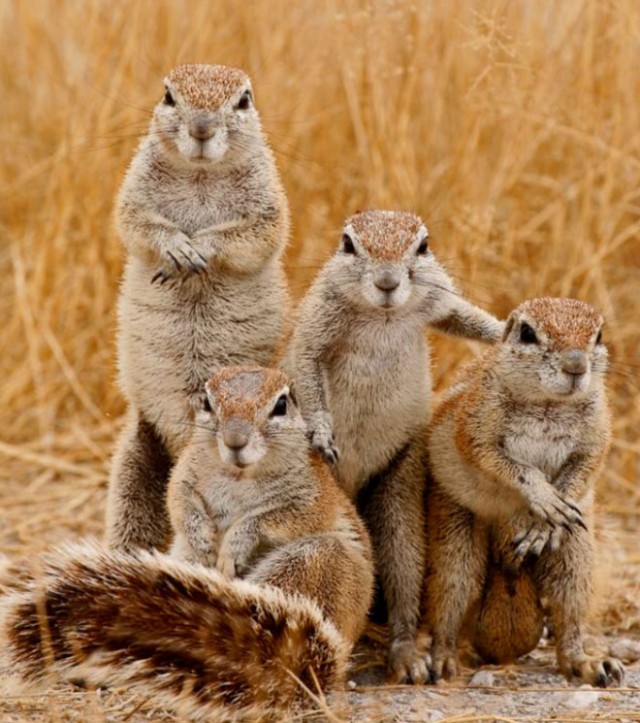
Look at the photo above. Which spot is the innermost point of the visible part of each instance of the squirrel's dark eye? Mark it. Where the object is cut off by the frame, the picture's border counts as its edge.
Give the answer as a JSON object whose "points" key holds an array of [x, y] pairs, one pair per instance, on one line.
{"points": [[206, 404], [281, 407], [347, 245], [423, 248], [527, 334], [599, 337], [168, 98], [245, 101]]}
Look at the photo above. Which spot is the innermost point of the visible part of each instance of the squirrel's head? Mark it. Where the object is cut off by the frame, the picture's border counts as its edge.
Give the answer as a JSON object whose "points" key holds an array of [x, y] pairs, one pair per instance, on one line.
{"points": [[254, 414], [206, 113], [554, 349], [384, 261]]}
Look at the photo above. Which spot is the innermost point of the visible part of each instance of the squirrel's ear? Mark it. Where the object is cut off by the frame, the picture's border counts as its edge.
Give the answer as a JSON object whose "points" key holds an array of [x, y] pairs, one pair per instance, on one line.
{"points": [[508, 326]]}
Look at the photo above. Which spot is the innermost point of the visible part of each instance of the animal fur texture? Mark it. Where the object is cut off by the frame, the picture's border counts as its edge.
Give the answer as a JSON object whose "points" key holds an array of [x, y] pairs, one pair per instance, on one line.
{"points": [[515, 447], [204, 218], [360, 367], [178, 633], [250, 497]]}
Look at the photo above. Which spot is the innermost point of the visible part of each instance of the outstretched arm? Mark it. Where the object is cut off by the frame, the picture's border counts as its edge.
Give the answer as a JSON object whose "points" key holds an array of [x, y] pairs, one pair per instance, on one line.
{"points": [[445, 309], [464, 319]]}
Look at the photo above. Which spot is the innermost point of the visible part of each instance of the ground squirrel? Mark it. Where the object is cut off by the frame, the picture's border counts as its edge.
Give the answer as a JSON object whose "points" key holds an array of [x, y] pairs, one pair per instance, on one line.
{"points": [[359, 362], [514, 448], [250, 496], [204, 219]]}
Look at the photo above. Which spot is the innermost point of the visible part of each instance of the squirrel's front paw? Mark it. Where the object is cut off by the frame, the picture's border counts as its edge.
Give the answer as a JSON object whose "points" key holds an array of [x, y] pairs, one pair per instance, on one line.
{"points": [[322, 438], [406, 665], [179, 255], [531, 539], [325, 444], [556, 511]]}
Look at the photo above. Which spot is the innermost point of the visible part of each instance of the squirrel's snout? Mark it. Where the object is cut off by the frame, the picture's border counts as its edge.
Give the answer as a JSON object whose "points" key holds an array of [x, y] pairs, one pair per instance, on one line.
{"points": [[236, 434], [387, 279], [202, 128], [574, 362], [240, 444]]}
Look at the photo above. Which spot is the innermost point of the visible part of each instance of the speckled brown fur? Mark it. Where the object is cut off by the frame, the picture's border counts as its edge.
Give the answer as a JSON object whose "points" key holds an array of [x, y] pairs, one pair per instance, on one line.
{"points": [[387, 235], [204, 646], [206, 86], [229, 387]]}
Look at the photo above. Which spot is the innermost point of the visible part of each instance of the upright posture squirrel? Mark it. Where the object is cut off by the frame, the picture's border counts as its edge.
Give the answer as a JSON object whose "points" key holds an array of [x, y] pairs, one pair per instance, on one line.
{"points": [[204, 218], [514, 450], [249, 496], [360, 367]]}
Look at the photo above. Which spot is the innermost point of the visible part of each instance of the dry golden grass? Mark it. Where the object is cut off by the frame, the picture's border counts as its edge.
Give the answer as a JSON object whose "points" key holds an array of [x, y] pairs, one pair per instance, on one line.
{"points": [[512, 127]]}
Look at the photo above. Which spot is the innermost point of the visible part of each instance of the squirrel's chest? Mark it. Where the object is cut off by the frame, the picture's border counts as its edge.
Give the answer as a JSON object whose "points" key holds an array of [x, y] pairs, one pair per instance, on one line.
{"points": [[544, 441], [196, 204], [229, 501], [372, 351]]}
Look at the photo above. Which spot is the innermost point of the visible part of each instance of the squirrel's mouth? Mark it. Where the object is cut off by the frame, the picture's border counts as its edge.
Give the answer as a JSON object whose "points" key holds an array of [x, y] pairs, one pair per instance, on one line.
{"points": [[201, 159], [240, 464], [575, 385]]}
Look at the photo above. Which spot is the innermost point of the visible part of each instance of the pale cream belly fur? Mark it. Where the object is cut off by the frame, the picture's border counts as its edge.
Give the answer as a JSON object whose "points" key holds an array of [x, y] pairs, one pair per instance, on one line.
{"points": [[378, 402]]}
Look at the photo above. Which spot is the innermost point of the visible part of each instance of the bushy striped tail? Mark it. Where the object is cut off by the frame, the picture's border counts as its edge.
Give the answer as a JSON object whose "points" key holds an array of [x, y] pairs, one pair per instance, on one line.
{"points": [[182, 634]]}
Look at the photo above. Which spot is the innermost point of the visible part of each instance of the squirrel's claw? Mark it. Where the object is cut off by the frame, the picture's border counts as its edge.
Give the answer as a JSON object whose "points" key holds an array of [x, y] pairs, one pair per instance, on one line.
{"points": [[601, 673], [162, 275], [444, 665], [324, 443], [406, 665]]}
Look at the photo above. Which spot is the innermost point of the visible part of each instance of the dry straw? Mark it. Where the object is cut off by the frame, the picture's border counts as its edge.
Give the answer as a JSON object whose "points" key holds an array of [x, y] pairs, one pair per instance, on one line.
{"points": [[511, 127]]}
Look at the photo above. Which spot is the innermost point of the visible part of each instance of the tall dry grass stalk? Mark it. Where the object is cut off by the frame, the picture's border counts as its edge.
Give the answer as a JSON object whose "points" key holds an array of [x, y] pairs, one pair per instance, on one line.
{"points": [[512, 127]]}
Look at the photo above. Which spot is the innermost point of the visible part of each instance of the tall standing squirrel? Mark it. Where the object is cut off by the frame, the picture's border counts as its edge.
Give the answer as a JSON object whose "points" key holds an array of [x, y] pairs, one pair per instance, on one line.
{"points": [[288, 600], [360, 366], [514, 448], [204, 218]]}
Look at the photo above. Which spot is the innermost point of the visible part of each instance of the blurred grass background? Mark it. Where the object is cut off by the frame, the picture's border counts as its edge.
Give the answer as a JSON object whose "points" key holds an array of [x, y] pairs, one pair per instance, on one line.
{"points": [[511, 127]]}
